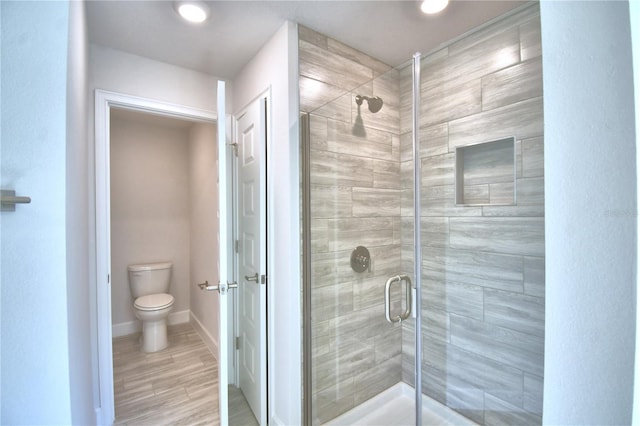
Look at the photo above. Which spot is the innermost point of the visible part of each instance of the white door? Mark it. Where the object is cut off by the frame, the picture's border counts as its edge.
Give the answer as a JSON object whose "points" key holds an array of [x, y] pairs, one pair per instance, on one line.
{"points": [[251, 169]]}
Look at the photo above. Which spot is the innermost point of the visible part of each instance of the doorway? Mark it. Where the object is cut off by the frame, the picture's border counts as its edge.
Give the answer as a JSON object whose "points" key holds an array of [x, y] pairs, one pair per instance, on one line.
{"points": [[223, 345], [163, 207], [108, 103]]}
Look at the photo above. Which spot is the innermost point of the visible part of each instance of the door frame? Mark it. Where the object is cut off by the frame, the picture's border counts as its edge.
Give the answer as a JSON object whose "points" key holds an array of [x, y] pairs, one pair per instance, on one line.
{"points": [[104, 101]]}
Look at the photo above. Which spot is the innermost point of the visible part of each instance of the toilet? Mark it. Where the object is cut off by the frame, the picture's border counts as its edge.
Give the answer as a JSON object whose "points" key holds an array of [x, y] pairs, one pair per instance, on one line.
{"points": [[149, 284]]}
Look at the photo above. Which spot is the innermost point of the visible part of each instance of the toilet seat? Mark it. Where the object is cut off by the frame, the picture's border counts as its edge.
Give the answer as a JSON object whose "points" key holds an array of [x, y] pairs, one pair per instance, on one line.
{"points": [[153, 302]]}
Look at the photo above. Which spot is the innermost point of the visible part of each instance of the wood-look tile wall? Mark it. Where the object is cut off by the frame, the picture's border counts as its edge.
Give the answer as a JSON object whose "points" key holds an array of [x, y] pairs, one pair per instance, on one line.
{"points": [[482, 265], [355, 200]]}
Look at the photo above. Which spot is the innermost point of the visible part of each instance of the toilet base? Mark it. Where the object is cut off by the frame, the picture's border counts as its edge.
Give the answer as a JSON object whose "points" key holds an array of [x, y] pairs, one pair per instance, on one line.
{"points": [[154, 335]]}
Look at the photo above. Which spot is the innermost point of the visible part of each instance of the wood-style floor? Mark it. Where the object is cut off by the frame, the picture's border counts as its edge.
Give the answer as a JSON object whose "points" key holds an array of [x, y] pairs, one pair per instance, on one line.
{"points": [[176, 386], [240, 413]]}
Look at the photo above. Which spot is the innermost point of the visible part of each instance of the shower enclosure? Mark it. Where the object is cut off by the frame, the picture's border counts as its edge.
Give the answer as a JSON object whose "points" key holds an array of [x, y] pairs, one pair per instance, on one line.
{"points": [[461, 131]]}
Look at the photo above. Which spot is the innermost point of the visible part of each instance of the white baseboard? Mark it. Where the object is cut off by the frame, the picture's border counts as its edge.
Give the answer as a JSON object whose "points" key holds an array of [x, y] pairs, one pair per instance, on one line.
{"points": [[211, 343], [178, 317], [98, 413], [131, 327], [126, 328]]}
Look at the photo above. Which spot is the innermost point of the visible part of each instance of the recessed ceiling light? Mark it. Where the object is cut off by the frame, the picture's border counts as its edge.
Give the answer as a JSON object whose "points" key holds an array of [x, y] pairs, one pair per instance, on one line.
{"points": [[192, 11], [433, 6]]}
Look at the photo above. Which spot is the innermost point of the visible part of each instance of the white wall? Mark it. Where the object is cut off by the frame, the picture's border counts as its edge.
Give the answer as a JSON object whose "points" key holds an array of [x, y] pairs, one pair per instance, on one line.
{"points": [[591, 209], [634, 14], [77, 187], [0, 221], [275, 67], [203, 176], [150, 209], [122, 72], [36, 375]]}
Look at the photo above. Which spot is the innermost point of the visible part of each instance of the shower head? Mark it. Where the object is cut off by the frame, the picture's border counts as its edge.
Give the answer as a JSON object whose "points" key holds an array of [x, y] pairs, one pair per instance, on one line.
{"points": [[374, 103]]}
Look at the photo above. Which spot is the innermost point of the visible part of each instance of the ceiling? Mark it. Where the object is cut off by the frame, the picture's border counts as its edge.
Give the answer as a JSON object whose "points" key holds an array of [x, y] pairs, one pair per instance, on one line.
{"points": [[391, 31]]}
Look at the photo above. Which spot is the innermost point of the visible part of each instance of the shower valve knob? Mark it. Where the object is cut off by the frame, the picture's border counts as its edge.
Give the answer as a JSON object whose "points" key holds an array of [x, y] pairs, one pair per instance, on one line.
{"points": [[360, 259]]}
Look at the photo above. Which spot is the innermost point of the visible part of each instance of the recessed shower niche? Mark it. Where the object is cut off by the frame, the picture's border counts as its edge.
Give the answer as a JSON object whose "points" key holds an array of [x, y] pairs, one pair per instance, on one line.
{"points": [[486, 173]]}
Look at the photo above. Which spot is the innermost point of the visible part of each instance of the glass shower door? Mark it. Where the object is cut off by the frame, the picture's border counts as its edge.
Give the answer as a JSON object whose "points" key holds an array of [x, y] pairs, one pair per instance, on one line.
{"points": [[477, 231], [359, 238]]}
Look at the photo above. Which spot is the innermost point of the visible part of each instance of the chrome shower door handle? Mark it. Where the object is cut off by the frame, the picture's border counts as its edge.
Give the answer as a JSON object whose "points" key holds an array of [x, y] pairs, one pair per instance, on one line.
{"points": [[387, 298], [253, 278]]}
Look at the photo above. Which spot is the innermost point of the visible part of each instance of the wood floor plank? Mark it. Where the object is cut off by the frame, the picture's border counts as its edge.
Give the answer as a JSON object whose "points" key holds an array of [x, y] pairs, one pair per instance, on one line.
{"points": [[175, 386], [241, 415]]}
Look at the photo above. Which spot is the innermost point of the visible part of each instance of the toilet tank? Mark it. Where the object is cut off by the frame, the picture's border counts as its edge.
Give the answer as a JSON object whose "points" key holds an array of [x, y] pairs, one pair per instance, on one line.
{"points": [[149, 278]]}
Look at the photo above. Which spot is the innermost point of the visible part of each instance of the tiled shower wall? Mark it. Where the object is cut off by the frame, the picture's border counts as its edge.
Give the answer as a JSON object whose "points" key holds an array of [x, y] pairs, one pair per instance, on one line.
{"points": [[355, 201], [482, 264]]}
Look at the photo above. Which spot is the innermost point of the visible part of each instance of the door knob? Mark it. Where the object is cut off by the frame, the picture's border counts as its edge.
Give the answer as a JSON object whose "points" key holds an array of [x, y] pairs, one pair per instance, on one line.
{"points": [[205, 286], [8, 200], [221, 288], [253, 278]]}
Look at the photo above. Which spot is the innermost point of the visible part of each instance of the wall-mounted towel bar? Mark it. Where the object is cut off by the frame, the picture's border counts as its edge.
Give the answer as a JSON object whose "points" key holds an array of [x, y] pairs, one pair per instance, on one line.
{"points": [[8, 200]]}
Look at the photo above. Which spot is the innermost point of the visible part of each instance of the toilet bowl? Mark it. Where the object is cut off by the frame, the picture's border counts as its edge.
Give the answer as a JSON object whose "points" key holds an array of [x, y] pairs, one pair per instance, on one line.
{"points": [[149, 284], [153, 311]]}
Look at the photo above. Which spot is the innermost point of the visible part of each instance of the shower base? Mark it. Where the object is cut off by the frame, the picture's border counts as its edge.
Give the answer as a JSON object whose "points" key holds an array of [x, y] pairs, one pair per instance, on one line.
{"points": [[395, 407]]}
